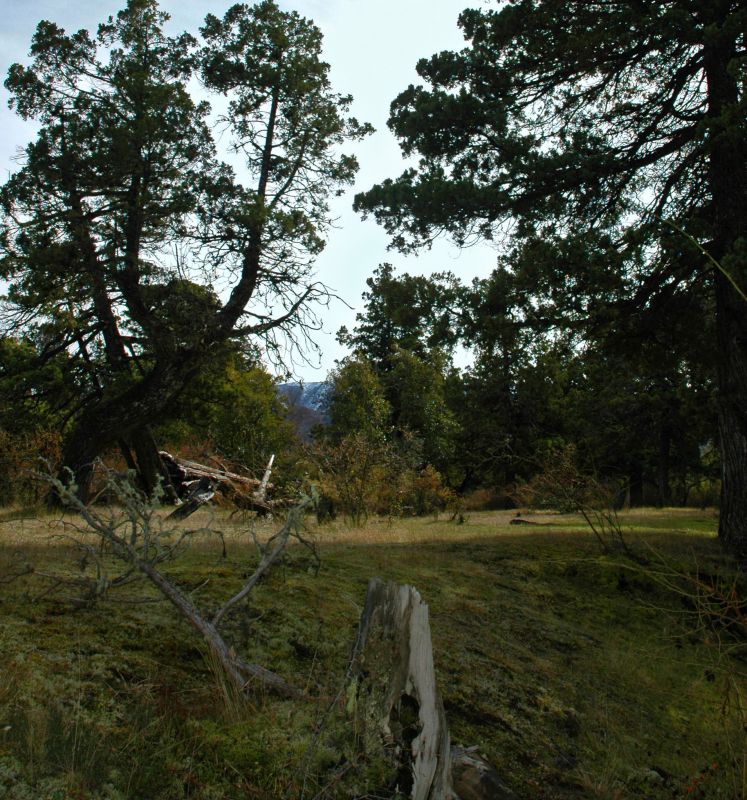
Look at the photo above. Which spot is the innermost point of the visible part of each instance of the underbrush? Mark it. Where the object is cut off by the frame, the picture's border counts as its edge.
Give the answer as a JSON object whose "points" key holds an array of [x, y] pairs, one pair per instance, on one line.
{"points": [[578, 674]]}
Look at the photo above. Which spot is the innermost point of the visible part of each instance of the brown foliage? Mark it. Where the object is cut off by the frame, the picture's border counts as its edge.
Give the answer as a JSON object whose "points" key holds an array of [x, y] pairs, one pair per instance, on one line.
{"points": [[20, 458]]}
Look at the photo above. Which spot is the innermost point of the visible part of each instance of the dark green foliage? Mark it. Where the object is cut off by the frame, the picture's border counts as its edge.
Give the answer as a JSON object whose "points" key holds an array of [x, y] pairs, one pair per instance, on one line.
{"points": [[356, 402], [589, 125], [635, 398], [122, 217], [388, 448], [234, 410], [416, 387], [410, 312]]}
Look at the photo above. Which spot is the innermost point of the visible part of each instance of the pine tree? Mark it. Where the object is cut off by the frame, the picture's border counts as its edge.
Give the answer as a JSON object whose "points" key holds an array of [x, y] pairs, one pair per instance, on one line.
{"points": [[619, 125]]}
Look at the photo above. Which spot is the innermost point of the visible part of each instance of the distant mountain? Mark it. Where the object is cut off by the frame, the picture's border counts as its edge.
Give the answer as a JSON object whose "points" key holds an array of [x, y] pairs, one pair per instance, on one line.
{"points": [[308, 395], [306, 405]]}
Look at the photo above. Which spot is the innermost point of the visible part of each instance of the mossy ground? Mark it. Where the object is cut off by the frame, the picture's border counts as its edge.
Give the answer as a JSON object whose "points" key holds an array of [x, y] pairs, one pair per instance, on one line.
{"points": [[577, 673]]}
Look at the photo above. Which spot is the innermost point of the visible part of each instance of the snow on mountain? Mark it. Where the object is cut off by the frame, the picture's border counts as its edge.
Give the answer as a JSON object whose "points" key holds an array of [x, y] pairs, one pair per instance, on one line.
{"points": [[306, 405], [308, 395]]}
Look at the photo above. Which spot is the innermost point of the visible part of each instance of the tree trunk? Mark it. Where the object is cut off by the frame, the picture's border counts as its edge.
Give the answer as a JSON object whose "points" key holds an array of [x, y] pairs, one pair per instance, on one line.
{"points": [[399, 715], [106, 422], [733, 432], [151, 470], [662, 467], [727, 178], [635, 485]]}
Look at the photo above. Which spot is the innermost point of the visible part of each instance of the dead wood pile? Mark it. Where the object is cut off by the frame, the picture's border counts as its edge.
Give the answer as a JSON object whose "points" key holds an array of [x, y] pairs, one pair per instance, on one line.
{"points": [[195, 484]]}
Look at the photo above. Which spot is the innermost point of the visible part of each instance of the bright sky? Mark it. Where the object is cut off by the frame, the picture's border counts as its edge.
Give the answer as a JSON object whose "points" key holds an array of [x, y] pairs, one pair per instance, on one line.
{"points": [[372, 46]]}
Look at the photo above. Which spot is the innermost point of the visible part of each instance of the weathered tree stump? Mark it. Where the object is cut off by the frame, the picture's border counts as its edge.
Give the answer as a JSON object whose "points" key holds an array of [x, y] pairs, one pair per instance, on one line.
{"points": [[398, 713]]}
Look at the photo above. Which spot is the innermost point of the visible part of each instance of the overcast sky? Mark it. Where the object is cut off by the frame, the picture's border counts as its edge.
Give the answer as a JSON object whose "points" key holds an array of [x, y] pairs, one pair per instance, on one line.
{"points": [[372, 47]]}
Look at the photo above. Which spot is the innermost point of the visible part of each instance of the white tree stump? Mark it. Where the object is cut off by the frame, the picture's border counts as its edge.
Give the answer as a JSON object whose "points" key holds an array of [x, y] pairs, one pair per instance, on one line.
{"points": [[398, 712]]}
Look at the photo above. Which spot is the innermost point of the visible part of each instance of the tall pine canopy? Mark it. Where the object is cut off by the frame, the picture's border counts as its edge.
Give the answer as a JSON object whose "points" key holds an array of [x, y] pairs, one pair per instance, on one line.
{"points": [[617, 126]]}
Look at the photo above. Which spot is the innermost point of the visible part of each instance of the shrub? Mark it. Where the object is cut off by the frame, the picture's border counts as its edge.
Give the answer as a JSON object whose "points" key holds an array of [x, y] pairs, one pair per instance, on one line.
{"points": [[421, 492], [361, 475], [487, 499], [20, 455]]}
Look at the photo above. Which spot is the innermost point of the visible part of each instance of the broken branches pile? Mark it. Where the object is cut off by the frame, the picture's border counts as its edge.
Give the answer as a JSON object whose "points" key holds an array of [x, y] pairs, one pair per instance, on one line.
{"points": [[197, 483]]}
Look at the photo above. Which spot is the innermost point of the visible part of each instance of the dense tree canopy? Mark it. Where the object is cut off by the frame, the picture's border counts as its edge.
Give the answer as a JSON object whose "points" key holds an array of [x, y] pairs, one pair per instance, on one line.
{"points": [[615, 132], [411, 312], [125, 237]]}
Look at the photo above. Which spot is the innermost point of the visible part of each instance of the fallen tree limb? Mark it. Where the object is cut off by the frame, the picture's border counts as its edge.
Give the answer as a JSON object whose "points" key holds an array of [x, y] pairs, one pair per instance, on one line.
{"points": [[272, 551], [136, 538], [191, 470], [202, 492], [194, 482], [473, 778]]}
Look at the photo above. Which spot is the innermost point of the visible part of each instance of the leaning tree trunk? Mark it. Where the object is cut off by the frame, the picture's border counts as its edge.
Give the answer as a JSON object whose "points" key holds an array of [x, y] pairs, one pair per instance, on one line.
{"points": [[635, 485], [663, 464], [151, 470], [125, 416]]}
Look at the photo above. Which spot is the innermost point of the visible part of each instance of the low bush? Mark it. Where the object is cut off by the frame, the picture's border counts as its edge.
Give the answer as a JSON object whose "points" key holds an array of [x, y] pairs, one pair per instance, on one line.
{"points": [[20, 457]]}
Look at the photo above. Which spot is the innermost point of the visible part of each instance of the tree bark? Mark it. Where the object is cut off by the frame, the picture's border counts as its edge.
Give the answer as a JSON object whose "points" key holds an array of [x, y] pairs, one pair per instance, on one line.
{"points": [[241, 674], [733, 432], [152, 471], [399, 715], [727, 179], [104, 423]]}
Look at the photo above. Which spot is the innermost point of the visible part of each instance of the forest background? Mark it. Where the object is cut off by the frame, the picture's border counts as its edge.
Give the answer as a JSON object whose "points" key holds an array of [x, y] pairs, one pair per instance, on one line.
{"points": [[595, 336]]}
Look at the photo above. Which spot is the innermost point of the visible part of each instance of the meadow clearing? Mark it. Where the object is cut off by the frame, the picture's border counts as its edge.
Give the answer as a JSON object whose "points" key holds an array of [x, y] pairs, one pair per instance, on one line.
{"points": [[577, 673]]}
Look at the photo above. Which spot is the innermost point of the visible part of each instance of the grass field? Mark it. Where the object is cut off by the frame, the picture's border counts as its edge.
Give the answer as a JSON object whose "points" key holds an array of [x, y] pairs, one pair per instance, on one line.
{"points": [[578, 674]]}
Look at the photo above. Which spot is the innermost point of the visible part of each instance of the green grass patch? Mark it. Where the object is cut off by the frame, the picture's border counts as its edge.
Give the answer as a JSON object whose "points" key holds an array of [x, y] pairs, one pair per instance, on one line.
{"points": [[578, 674]]}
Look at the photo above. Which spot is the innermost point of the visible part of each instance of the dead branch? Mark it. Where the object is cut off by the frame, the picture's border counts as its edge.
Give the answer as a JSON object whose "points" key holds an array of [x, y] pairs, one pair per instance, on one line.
{"points": [[270, 554], [138, 538], [197, 483]]}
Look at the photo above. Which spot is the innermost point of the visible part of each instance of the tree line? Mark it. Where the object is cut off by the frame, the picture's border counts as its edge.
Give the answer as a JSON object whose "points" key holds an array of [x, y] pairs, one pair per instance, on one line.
{"points": [[638, 410], [601, 146]]}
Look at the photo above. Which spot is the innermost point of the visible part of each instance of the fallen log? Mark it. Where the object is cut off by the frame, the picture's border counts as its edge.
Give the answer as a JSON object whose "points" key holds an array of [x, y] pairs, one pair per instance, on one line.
{"points": [[186, 470], [264, 485], [201, 492], [473, 778], [522, 521]]}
